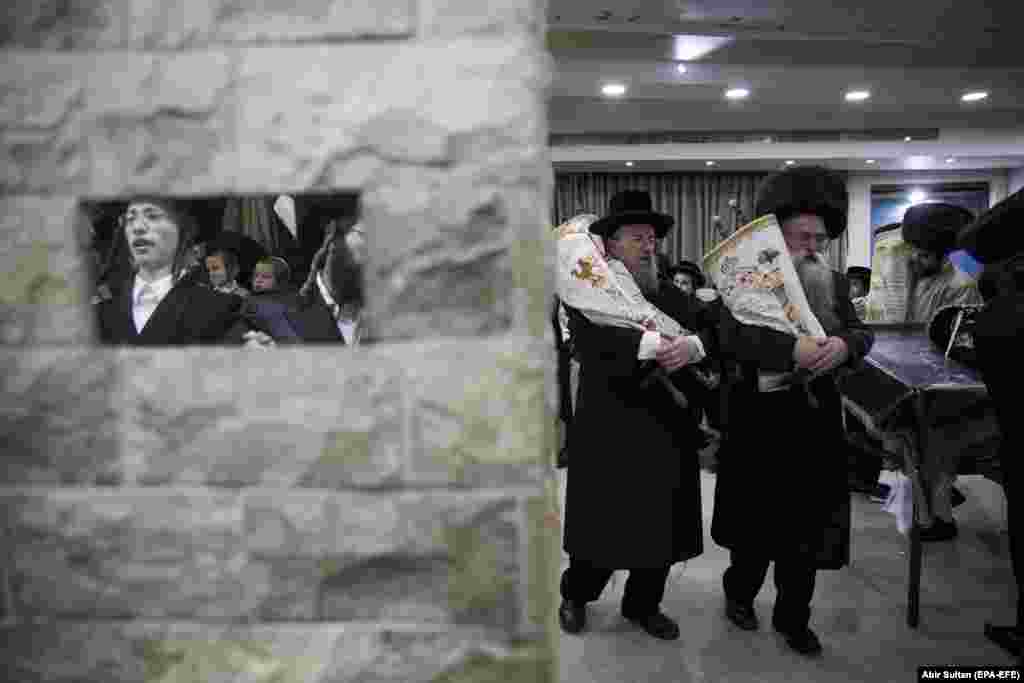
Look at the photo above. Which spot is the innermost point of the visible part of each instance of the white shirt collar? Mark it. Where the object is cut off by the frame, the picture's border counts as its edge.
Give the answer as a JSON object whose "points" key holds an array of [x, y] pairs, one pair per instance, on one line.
{"points": [[160, 287]]}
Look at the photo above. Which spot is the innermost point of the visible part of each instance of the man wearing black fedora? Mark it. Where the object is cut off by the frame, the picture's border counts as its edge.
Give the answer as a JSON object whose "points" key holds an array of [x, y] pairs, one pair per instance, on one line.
{"points": [[996, 240], [633, 491]]}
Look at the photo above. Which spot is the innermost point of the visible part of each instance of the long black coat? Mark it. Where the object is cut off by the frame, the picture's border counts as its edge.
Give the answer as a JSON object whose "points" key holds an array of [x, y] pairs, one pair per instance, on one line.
{"points": [[633, 489], [189, 314], [781, 486]]}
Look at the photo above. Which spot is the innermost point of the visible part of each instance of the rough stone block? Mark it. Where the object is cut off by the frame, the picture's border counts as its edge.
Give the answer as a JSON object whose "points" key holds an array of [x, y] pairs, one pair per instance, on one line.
{"points": [[457, 17], [194, 23], [482, 426], [44, 272], [57, 421], [113, 553], [309, 417], [112, 652], [412, 556]]}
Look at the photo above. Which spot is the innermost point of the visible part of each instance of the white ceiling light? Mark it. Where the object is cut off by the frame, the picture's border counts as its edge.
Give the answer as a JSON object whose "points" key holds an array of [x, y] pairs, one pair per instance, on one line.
{"points": [[974, 96], [790, 162], [687, 48], [918, 196], [681, 68], [907, 139], [709, 163], [950, 160], [857, 95], [629, 163], [737, 93], [869, 161], [613, 90]]}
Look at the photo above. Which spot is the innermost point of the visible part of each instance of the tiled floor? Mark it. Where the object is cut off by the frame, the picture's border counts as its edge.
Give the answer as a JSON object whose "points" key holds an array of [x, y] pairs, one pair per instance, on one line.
{"points": [[858, 612]]}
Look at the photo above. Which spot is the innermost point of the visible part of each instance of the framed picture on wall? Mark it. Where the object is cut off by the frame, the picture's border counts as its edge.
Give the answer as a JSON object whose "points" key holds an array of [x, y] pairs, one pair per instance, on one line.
{"points": [[890, 202]]}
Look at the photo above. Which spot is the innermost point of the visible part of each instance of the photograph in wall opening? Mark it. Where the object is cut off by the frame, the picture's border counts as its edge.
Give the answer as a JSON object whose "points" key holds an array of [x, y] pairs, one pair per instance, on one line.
{"points": [[252, 271]]}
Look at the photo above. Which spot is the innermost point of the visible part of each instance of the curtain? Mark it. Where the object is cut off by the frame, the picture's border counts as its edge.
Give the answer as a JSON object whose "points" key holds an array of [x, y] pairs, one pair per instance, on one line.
{"points": [[700, 203], [695, 200], [254, 217]]}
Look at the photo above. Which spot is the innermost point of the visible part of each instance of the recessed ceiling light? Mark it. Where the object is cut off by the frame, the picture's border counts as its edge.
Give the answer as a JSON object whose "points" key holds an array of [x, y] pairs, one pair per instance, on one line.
{"points": [[681, 68], [613, 90], [869, 161], [857, 95], [768, 140], [629, 163], [950, 160], [790, 162], [907, 139], [918, 196], [709, 163], [737, 93], [974, 96]]}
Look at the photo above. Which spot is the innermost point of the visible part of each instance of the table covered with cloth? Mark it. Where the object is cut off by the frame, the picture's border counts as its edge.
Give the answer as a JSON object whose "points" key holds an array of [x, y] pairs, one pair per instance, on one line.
{"points": [[938, 407]]}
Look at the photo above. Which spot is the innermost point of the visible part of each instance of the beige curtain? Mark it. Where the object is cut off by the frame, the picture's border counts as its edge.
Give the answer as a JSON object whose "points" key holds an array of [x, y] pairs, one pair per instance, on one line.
{"points": [[695, 200]]}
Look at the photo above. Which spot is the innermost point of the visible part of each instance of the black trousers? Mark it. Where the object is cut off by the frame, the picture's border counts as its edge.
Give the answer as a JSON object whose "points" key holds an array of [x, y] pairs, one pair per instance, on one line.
{"points": [[582, 583], [794, 580], [1013, 479]]}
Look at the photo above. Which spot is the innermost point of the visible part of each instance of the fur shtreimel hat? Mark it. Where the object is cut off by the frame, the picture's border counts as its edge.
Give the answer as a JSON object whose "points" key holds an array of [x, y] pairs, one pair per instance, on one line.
{"points": [[998, 233], [934, 226], [806, 189], [631, 207]]}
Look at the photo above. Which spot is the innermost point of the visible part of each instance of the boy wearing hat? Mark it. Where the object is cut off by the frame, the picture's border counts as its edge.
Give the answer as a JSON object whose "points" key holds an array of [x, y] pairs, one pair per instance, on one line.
{"points": [[996, 239], [931, 230], [687, 277], [781, 491], [633, 491]]}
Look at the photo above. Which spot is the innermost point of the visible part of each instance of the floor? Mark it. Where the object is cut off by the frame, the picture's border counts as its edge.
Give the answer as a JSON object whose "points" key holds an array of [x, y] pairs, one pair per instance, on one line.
{"points": [[858, 612]]}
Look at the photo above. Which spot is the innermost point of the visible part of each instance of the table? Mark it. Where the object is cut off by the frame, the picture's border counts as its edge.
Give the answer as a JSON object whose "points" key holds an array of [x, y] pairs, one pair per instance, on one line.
{"points": [[906, 384]]}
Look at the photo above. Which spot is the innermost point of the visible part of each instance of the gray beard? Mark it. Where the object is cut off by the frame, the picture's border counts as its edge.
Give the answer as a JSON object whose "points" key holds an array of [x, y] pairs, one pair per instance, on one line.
{"points": [[647, 278], [819, 286]]}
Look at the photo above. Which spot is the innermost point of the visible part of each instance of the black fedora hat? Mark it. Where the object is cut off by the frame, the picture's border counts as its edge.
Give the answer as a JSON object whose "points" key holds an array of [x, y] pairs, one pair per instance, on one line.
{"points": [[806, 189], [631, 207], [691, 269], [859, 272], [934, 226], [998, 233]]}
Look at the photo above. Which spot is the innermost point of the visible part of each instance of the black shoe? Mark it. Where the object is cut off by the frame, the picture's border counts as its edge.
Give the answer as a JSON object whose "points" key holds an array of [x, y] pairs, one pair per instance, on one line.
{"points": [[1007, 637], [802, 640], [572, 616], [741, 615], [658, 625], [940, 530]]}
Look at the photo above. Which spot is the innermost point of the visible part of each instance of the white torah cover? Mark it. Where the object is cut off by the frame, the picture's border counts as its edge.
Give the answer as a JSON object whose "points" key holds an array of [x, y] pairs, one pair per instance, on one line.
{"points": [[757, 280], [599, 288], [887, 300]]}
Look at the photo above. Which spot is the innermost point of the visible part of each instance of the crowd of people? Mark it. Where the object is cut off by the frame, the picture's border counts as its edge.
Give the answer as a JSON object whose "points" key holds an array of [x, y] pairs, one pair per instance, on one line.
{"points": [[782, 494], [161, 286]]}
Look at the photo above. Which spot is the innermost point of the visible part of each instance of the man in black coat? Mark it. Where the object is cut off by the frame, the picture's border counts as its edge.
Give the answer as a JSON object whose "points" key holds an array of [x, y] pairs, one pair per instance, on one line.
{"points": [[781, 490], [996, 240], [633, 491], [160, 304]]}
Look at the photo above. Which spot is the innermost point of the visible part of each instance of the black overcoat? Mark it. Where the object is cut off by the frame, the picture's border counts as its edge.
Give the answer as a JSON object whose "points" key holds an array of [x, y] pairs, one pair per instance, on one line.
{"points": [[781, 486], [633, 488]]}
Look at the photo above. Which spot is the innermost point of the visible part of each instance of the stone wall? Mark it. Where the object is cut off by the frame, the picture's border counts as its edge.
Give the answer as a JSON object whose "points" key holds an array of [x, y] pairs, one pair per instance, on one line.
{"points": [[311, 514]]}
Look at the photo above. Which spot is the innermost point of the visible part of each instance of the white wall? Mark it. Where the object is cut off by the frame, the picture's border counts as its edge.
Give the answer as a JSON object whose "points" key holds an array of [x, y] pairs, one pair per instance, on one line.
{"points": [[858, 232], [1016, 180]]}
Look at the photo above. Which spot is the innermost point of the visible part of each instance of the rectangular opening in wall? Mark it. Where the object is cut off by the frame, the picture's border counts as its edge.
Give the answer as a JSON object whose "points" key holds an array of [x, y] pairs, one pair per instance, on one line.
{"points": [[239, 270]]}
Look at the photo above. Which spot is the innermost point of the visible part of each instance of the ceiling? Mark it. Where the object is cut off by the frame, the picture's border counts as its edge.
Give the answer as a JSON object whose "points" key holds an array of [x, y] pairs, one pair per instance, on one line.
{"points": [[797, 58]]}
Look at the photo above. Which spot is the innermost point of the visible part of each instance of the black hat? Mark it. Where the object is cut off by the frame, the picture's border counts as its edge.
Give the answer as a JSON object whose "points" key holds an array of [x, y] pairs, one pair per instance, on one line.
{"points": [[806, 189], [997, 234], [934, 226], [631, 207], [859, 272], [691, 269], [888, 228]]}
